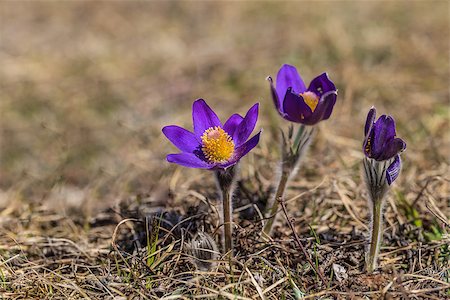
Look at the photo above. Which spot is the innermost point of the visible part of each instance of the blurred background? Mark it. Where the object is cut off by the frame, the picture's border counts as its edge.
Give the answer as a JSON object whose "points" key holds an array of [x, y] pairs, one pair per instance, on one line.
{"points": [[87, 86]]}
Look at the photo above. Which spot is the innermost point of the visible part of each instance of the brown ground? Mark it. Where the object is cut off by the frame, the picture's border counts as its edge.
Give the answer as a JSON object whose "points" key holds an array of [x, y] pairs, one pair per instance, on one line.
{"points": [[86, 88]]}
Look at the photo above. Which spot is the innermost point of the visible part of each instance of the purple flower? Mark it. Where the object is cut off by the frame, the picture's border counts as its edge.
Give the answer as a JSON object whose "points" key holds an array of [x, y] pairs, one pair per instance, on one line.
{"points": [[299, 104], [213, 145], [381, 143]]}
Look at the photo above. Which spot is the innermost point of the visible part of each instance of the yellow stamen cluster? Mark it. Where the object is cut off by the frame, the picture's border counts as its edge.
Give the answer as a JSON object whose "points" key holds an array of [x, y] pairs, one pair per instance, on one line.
{"points": [[311, 99], [368, 146], [217, 145]]}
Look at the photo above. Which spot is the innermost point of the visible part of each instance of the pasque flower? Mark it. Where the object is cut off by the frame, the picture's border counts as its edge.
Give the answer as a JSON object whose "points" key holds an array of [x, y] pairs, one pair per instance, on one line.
{"points": [[307, 106], [381, 143], [299, 104], [382, 166], [213, 145], [216, 147]]}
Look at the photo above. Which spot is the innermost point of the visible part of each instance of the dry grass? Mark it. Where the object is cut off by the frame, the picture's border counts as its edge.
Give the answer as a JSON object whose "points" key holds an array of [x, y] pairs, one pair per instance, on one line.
{"points": [[86, 88]]}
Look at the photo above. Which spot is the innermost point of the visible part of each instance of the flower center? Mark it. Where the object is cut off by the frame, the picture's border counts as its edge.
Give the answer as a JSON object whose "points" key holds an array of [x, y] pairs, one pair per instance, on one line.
{"points": [[311, 99], [217, 145]]}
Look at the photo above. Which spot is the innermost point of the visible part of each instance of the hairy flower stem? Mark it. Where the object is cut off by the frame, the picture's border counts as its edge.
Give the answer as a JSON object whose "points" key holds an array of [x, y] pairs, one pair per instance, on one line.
{"points": [[278, 197], [377, 186], [227, 219], [376, 235], [292, 153], [225, 182]]}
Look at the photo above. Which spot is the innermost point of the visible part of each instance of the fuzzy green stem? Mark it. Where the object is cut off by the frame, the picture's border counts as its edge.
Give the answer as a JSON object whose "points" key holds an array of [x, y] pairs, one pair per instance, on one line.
{"points": [[376, 235], [278, 196]]}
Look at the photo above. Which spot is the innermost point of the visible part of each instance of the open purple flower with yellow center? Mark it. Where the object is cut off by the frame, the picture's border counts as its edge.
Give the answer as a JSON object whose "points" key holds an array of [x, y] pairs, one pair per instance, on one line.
{"points": [[213, 145], [381, 143], [216, 147], [299, 104], [382, 166]]}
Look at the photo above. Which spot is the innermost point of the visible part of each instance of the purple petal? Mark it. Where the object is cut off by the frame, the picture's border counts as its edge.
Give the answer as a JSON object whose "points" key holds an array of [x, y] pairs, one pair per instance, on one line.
{"points": [[371, 115], [295, 108], [330, 101], [242, 150], [232, 123], [323, 109], [321, 85], [247, 125], [181, 138], [392, 148], [383, 132], [393, 170], [276, 100], [288, 77], [203, 117], [189, 160]]}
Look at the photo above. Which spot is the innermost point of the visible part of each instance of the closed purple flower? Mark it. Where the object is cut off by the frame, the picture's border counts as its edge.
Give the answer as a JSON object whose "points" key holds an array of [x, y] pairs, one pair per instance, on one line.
{"points": [[213, 145], [381, 143], [299, 104]]}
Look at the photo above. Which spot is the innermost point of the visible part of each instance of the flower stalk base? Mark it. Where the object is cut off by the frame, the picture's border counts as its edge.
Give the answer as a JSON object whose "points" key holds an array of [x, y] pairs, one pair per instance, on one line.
{"points": [[376, 234], [275, 205], [225, 181], [293, 151]]}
